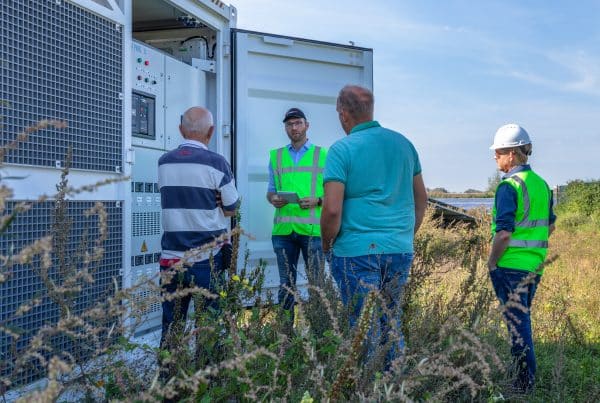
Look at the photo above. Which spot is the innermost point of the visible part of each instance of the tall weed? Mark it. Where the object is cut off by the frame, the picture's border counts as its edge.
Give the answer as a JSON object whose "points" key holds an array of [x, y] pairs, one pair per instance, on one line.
{"points": [[457, 343]]}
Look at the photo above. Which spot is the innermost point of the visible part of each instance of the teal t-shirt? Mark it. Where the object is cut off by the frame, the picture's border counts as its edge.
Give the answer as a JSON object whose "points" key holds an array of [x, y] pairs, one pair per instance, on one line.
{"points": [[377, 167]]}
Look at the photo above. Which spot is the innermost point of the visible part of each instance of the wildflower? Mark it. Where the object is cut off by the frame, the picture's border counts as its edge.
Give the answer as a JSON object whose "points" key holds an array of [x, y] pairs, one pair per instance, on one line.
{"points": [[235, 277], [306, 398], [245, 281], [223, 294]]}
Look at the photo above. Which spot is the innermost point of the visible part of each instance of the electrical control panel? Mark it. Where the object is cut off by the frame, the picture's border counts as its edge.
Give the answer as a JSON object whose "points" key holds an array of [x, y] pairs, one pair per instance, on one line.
{"points": [[148, 99]]}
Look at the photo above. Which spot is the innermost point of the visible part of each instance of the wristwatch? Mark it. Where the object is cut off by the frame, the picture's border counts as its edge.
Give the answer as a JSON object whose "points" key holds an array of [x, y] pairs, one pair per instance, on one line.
{"points": [[319, 201]]}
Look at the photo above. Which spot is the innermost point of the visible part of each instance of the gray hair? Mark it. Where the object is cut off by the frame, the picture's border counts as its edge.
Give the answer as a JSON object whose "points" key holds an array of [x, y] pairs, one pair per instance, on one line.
{"points": [[357, 101], [195, 122], [521, 153]]}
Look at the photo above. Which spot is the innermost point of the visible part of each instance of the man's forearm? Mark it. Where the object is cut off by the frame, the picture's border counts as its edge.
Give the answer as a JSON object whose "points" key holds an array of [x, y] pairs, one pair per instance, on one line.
{"points": [[419, 214], [330, 227], [228, 213], [331, 215], [420, 195], [499, 245]]}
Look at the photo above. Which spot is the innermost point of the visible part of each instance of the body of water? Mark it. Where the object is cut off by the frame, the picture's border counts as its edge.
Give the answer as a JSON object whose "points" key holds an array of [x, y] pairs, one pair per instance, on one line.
{"points": [[468, 204]]}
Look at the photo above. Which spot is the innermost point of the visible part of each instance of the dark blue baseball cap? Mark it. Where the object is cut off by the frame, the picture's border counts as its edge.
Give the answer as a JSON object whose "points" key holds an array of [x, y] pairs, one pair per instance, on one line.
{"points": [[293, 113]]}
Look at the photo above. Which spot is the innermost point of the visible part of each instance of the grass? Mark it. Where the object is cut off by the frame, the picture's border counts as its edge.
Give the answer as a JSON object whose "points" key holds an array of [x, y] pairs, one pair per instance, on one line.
{"points": [[457, 342], [567, 319]]}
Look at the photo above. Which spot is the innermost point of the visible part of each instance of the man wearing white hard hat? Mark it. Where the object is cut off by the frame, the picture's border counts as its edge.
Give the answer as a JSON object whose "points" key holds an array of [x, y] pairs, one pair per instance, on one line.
{"points": [[522, 223]]}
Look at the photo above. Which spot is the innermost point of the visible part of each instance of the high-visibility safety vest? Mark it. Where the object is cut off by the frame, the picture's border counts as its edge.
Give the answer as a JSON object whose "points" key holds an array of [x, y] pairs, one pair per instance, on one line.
{"points": [[529, 242], [304, 178]]}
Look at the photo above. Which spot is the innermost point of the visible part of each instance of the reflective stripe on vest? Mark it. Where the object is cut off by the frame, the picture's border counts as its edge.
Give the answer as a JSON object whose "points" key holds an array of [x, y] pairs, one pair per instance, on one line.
{"points": [[521, 243], [300, 220]]}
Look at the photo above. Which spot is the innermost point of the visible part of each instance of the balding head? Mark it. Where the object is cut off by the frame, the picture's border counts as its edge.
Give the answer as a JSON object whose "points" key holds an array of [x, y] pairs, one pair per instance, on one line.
{"points": [[197, 124], [355, 105]]}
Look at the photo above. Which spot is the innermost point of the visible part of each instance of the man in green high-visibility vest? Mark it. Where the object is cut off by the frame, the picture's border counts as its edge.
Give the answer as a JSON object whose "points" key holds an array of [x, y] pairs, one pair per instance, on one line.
{"points": [[522, 221], [296, 168]]}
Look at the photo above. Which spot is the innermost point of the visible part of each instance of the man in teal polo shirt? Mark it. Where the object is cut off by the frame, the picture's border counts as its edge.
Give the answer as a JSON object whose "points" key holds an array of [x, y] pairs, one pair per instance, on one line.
{"points": [[374, 202]]}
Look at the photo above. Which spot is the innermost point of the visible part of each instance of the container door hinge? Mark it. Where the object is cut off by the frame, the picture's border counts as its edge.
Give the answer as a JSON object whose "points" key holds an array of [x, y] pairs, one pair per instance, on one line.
{"points": [[226, 50], [226, 130], [130, 156]]}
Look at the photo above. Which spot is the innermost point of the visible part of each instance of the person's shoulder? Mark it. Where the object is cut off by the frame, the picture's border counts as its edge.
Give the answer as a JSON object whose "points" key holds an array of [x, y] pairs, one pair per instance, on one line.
{"points": [[506, 187], [279, 148], [321, 148], [399, 139], [168, 157], [217, 161], [539, 177], [396, 134], [273, 151], [341, 144]]}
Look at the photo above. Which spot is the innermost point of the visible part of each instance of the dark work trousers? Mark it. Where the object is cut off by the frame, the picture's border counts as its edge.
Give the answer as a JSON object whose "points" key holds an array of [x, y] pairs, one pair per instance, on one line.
{"points": [[518, 286], [200, 274], [287, 249]]}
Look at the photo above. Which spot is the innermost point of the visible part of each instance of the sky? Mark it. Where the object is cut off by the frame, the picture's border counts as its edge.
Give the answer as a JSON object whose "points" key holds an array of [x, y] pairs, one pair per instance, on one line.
{"points": [[448, 74]]}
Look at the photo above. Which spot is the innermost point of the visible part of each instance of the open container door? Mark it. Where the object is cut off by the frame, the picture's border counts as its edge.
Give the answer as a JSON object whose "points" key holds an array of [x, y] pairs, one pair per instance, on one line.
{"points": [[271, 74]]}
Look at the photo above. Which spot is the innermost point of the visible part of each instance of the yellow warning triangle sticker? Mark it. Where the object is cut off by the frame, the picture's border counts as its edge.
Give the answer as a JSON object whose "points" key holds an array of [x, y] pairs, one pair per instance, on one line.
{"points": [[144, 247]]}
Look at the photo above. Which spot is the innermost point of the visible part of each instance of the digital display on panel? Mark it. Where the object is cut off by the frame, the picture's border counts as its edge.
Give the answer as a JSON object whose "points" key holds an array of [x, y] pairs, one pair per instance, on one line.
{"points": [[143, 112]]}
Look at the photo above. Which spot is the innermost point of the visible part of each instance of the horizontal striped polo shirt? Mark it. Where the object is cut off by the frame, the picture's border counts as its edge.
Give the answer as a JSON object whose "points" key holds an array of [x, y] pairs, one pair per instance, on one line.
{"points": [[189, 178]]}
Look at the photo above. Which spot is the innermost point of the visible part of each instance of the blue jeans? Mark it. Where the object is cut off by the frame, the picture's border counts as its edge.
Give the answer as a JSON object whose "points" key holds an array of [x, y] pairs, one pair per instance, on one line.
{"points": [[388, 273], [506, 282], [200, 274], [287, 249]]}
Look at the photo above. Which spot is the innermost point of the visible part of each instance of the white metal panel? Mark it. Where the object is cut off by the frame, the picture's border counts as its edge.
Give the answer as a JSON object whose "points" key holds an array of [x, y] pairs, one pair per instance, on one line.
{"points": [[273, 74], [185, 87]]}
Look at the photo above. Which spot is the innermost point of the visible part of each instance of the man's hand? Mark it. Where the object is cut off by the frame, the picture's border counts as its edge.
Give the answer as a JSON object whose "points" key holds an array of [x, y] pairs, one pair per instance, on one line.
{"points": [[308, 202], [219, 201], [499, 245], [277, 201]]}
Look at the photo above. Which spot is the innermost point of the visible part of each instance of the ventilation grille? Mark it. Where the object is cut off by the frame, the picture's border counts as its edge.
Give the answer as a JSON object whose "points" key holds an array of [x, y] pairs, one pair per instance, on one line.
{"points": [[59, 61], [145, 224], [24, 283], [146, 298]]}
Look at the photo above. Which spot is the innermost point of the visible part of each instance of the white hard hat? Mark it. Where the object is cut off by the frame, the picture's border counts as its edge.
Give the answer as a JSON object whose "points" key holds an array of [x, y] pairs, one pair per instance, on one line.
{"points": [[510, 135]]}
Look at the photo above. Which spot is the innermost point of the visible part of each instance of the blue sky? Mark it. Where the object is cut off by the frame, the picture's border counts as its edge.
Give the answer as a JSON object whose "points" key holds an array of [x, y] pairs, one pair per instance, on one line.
{"points": [[448, 74]]}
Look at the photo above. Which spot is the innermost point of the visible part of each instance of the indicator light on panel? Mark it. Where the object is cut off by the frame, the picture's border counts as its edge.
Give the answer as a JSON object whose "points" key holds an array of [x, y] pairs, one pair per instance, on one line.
{"points": [[139, 59], [147, 63], [139, 77]]}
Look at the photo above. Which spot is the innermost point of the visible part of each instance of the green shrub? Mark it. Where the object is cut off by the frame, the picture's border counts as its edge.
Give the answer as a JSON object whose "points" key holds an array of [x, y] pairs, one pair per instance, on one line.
{"points": [[581, 197]]}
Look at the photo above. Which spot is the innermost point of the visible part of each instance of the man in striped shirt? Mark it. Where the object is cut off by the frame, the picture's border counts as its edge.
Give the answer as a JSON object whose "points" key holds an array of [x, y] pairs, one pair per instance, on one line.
{"points": [[198, 193]]}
